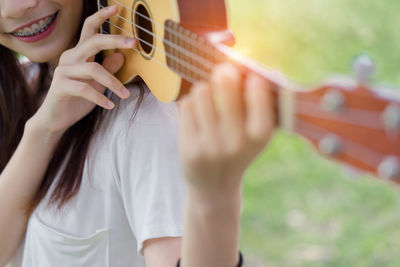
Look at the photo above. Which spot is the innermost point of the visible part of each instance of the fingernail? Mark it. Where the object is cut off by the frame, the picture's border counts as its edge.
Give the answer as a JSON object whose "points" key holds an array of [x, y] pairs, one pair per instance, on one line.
{"points": [[109, 8], [130, 41], [110, 104], [125, 92]]}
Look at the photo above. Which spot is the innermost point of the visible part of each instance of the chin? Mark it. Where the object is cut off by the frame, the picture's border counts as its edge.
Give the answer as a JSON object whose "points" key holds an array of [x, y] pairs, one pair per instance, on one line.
{"points": [[50, 53], [42, 58]]}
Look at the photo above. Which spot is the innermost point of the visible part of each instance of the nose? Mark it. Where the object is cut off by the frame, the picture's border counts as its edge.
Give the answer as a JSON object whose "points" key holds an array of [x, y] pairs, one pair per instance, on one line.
{"points": [[15, 8]]}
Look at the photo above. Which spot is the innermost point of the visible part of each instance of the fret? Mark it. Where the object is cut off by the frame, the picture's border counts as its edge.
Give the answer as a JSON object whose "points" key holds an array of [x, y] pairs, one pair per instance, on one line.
{"points": [[196, 56]]}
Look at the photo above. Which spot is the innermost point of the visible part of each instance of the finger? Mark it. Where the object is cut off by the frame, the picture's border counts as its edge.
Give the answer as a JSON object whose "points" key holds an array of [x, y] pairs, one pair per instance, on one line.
{"points": [[100, 42], [92, 24], [85, 91], [112, 63], [188, 121], [94, 71], [227, 83], [260, 112], [205, 110]]}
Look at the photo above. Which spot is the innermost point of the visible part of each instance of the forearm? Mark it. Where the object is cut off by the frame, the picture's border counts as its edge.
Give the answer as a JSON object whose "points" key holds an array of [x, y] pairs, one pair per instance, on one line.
{"points": [[218, 141], [212, 224], [19, 182]]}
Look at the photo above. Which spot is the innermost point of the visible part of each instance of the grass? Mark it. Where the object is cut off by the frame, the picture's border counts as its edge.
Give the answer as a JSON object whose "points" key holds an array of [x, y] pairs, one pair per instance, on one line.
{"points": [[301, 209]]}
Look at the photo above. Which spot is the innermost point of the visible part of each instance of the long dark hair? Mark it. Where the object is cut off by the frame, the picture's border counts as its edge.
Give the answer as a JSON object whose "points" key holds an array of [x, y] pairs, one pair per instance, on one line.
{"points": [[17, 105]]}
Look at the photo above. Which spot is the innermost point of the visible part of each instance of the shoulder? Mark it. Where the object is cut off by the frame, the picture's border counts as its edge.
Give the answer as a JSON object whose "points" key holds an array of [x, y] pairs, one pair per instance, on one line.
{"points": [[145, 145]]}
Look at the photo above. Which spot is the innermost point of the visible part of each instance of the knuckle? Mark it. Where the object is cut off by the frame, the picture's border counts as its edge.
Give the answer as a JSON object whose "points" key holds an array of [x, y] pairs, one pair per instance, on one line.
{"points": [[115, 84], [58, 71], [226, 72], [199, 85], [89, 21], [96, 97], [94, 67], [235, 146], [201, 90], [119, 39], [193, 156], [213, 154], [259, 136], [96, 38], [99, 98], [83, 88], [65, 56], [95, 43]]}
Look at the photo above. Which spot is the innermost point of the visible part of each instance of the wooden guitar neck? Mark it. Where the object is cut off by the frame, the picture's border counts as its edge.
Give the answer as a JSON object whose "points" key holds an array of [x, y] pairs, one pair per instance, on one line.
{"points": [[349, 123], [180, 42]]}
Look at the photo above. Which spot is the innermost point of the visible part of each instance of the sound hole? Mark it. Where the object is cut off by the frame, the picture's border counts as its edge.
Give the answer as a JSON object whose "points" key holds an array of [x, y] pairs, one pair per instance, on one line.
{"points": [[145, 29]]}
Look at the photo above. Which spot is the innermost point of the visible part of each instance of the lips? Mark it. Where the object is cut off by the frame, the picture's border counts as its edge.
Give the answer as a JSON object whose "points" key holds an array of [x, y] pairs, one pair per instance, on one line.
{"points": [[35, 27], [36, 31]]}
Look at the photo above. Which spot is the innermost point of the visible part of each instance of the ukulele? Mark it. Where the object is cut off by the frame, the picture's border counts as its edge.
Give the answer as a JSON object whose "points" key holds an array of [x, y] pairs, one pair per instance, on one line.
{"points": [[180, 41]]}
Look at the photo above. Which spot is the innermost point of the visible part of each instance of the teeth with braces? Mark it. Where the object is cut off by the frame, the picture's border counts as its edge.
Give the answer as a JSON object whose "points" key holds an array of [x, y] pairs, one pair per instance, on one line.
{"points": [[36, 28]]}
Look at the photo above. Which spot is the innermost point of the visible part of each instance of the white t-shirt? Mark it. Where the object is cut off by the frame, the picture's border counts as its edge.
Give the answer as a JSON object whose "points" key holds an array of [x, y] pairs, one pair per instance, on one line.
{"points": [[132, 190]]}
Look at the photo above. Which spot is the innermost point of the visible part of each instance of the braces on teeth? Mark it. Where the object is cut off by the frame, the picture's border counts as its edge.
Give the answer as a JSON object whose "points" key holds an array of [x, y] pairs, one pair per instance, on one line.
{"points": [[41, 27]]}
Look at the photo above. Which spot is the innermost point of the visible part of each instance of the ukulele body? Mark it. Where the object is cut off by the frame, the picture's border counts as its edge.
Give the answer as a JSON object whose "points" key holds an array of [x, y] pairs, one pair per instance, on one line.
{"points": [[149, 60]]}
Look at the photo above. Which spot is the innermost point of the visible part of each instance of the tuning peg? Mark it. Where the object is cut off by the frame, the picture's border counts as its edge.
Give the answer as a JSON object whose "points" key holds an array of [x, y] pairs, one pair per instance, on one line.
{"points": [[391, 118], [364, 68], [333, 101], [389, 168], [330, 145]]}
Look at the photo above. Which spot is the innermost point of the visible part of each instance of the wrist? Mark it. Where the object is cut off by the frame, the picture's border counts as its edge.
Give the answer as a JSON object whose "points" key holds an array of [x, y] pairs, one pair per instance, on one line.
{"points": [[33, 127], [211, 203], [212, 225], [213, 185]]}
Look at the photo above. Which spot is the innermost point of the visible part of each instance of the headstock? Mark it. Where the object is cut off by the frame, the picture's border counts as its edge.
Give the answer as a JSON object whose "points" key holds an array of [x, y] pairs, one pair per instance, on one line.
{"points": [[353, 123]]}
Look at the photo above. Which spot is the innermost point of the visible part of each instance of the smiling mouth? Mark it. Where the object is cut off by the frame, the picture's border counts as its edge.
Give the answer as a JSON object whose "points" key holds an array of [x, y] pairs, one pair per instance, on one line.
{"points": [[35, 28]]}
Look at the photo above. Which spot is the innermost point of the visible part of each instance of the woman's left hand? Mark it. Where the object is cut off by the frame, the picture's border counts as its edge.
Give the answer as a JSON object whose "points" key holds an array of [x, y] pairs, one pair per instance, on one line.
{"points": [[223, 127]]}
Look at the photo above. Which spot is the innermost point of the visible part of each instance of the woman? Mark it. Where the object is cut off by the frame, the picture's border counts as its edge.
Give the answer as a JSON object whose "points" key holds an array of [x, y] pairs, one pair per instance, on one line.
{"points": [[82, 184]]}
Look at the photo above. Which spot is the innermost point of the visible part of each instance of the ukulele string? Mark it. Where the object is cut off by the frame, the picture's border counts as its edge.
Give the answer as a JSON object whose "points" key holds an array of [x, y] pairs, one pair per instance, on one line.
{"points": [[203, 75], [352, 147], [206, 49], [310, 109], [162, 26], [190, 79], [195, 57], [360, 120], [190, 54]]}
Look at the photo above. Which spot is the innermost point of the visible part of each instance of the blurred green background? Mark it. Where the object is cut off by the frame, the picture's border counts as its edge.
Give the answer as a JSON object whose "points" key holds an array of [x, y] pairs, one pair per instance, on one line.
{"points": [[301, 209]]}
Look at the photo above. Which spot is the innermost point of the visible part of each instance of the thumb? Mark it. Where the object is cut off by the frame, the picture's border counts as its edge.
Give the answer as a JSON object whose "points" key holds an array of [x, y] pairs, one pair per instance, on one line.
{"points": [[113, 63]]}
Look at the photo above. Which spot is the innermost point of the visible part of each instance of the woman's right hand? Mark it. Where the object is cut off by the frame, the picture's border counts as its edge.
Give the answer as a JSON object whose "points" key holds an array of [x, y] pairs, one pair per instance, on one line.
{"points": [[79, 83]]}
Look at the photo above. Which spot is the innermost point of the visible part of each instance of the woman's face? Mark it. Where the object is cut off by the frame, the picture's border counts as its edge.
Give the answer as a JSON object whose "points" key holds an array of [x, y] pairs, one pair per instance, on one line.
{"points": [[39, 29]]}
